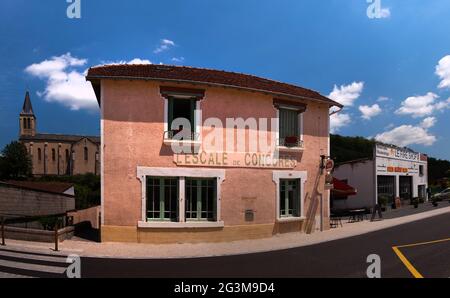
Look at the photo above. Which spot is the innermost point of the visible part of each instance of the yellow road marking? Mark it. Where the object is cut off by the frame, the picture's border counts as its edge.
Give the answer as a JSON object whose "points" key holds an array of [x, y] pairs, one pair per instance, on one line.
{"points": [[407, 263], [424, 243]]}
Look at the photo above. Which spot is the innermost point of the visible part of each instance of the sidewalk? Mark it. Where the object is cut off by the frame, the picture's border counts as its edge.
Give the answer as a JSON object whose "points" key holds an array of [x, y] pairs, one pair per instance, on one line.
{"points": [[277, 242]]}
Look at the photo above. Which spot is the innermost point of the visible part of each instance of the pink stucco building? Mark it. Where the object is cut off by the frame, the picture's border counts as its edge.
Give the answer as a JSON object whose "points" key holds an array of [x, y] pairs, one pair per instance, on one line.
{"points": [[222, 187]]}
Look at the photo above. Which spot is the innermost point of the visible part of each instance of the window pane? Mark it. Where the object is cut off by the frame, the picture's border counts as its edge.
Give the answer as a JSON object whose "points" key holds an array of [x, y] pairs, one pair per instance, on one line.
{"points": [[201, 199], [289, 124], [290, 198], [162, 198]]}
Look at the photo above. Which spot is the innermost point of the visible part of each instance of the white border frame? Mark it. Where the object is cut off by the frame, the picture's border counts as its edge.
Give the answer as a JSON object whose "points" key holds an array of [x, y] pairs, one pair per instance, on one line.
{"points": [[143, 172], [303, 176]]}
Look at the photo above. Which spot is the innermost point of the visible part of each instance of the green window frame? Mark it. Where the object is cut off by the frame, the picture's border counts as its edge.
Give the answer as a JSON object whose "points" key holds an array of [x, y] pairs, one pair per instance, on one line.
{"points": [[162, 198], [201, 199], [289, 123], [290, 198]]}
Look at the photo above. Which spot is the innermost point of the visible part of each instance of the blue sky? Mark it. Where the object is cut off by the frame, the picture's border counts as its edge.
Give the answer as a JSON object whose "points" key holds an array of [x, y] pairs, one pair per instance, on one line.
{"points": [[395, 69]]}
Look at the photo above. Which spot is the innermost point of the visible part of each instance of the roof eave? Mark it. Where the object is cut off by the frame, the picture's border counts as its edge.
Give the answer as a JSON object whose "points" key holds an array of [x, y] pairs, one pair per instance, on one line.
{"points": [[95, 80]]}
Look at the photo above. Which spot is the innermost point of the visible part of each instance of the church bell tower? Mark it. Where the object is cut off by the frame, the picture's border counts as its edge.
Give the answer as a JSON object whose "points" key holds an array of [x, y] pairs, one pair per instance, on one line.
{"points": [[27, 118]]}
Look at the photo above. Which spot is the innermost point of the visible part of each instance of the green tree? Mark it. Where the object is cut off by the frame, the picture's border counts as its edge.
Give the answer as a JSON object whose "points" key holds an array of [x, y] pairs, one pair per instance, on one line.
{"points": [[15, 162]]}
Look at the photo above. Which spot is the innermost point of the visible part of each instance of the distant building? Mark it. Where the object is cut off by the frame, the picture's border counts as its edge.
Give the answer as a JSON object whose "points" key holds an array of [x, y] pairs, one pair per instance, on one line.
{"points": [[56, 154], [391, 172]]}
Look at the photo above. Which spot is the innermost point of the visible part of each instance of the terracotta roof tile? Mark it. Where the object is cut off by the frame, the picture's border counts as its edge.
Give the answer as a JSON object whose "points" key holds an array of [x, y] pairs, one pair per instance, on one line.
{"points": [[50, 187], [205, 76]]}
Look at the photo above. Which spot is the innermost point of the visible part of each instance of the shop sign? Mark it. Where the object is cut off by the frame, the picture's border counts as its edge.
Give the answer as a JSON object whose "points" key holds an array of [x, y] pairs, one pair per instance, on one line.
{"points": [[397, 153], [235, 160]]}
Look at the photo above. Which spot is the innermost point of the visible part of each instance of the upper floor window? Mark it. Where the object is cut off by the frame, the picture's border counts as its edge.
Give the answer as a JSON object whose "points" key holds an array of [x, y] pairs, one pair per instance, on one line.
{"points": [[86, 154], [180, 112], [39, 154], [421, 170], [290, 123], [184, 109], [53, 154], [67, 155], [28, 123]]}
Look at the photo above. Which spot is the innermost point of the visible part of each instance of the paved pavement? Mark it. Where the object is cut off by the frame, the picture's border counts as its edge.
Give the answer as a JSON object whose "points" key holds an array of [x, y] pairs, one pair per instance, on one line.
{"points": [[339, 252], [340, 258]]}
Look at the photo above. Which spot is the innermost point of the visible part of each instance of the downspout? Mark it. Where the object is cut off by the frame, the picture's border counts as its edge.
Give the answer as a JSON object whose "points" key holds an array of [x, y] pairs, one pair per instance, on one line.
{"points": [[329, 154]]}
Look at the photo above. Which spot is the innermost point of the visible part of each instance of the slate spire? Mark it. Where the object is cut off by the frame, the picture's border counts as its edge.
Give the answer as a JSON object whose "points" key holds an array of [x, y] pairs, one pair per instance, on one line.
{"points": [[27, 109]]}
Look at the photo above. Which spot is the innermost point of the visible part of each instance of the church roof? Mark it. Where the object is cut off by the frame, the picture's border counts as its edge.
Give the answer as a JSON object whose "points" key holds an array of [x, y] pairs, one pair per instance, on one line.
{"points": [[27, 109], [59, 138]]}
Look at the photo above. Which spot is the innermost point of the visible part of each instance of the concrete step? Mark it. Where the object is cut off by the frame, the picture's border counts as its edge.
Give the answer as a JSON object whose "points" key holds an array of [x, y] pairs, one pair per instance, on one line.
{"points": [[34, 257], [10, 275], [32, 267]]}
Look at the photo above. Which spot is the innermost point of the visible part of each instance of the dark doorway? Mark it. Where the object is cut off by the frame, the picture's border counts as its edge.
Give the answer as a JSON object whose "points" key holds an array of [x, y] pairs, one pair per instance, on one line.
{"points": [[386, 189], [405, 187]]}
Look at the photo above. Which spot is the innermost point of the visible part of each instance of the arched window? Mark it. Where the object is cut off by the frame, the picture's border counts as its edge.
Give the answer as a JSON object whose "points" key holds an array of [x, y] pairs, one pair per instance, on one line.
{"points": [[67, 155], [86, 154], [28, 123], [24, 123], [39, 154], [53, 154]]}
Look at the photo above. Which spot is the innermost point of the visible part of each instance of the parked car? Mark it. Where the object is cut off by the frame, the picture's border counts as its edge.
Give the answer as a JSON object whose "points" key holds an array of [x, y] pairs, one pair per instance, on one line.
{"points": [[442, 196]]}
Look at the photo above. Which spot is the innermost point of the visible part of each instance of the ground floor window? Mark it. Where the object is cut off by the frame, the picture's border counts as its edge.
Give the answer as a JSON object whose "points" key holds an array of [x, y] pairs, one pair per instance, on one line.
{"points": [[201, 199], [162, 198], [289, 198]]}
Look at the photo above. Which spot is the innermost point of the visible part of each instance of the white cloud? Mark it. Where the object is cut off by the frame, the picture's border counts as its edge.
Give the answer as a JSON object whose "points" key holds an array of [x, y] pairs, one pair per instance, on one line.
{"points": [[385, 13], [422, 105], [164, 45], [135, 61], [369, 112], [177, 59], [347, 94], [406, 135], [339, 120], [139, 61], [443, 71], [428, 122], [65, 84], [383, 98]]}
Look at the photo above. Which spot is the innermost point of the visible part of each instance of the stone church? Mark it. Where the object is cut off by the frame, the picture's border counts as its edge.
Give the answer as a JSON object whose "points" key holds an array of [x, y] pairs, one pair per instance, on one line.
{"points": [[57, 154]]}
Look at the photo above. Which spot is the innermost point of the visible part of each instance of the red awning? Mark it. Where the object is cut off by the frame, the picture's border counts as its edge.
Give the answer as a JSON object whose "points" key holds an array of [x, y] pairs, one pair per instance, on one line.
{"points": [[340, 188]]}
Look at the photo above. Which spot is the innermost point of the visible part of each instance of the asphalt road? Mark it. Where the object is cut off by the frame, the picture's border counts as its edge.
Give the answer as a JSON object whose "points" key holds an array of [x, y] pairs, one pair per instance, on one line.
{"points": [[340, 258]]}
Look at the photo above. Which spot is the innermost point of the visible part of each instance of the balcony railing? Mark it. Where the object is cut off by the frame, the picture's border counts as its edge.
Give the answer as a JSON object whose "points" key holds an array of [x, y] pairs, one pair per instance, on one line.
{"points": [[291, 142]]}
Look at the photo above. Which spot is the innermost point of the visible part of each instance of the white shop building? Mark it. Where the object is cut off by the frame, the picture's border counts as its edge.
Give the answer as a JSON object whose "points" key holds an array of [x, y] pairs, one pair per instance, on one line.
{"points": [[390, 173]]}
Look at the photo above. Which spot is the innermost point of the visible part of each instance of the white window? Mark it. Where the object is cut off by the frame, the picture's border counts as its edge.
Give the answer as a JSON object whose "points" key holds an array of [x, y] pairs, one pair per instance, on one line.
{"points": [[180, 197], [290, 187]]}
